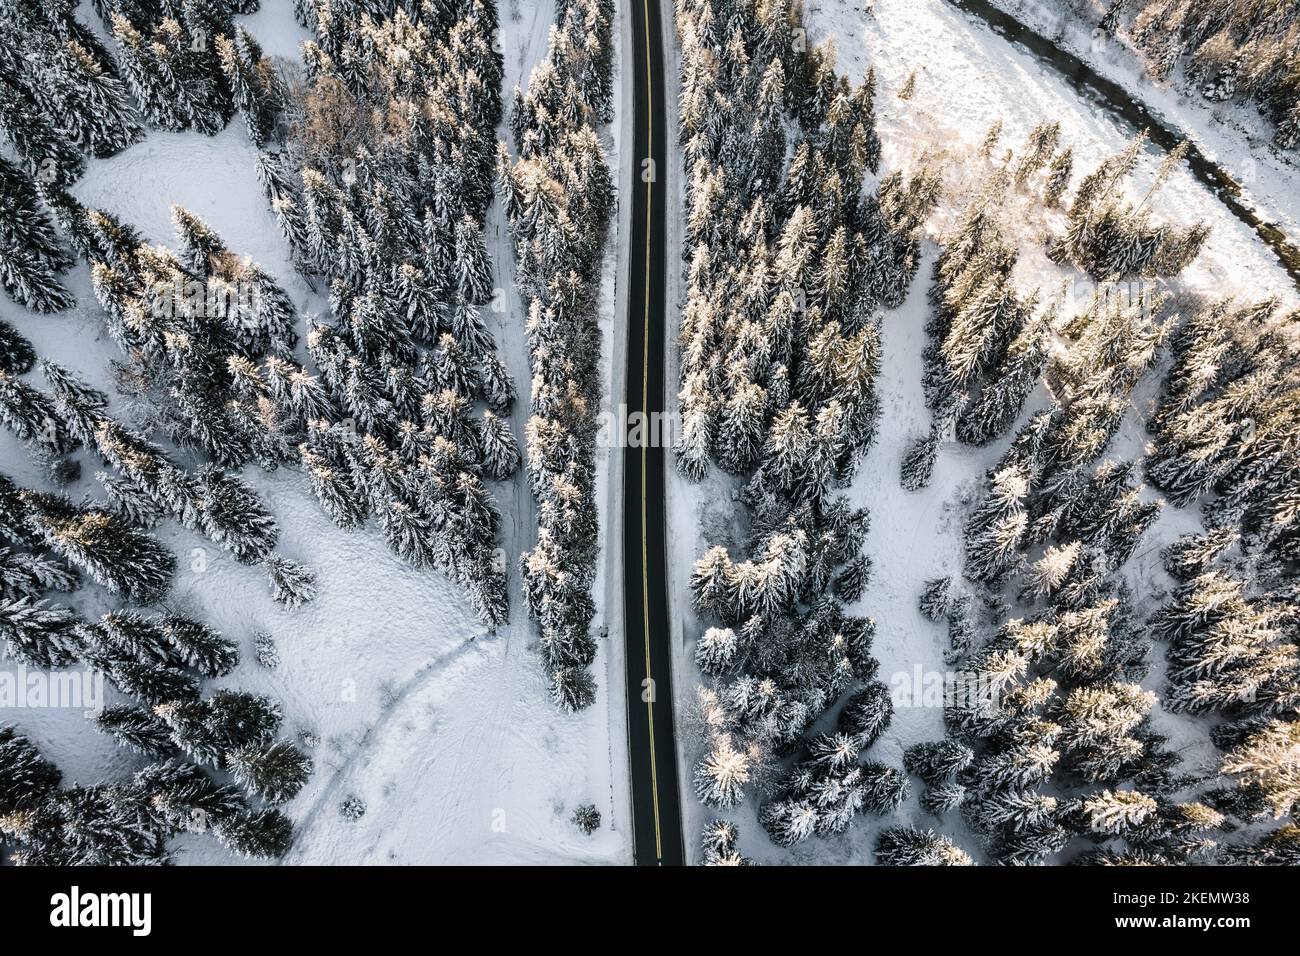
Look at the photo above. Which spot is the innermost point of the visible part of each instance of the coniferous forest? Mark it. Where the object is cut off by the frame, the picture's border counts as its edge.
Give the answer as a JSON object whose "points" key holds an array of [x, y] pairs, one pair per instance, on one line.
{"points": [[980, 515]]}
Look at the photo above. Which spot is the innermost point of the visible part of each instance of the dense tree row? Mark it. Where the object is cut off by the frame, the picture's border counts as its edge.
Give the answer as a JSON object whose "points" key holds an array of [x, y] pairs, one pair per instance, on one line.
{"points": [[32, 254], [61, 95], [188, 65], [793, 249], [558, 198], [180, 64], [184, 323], [1242, 50], [1050, 739], [1226, 434], [126, 823], [158, 660], [1047, 722], [1110, 238], [146, 484], [988, 343], [378, 169]]}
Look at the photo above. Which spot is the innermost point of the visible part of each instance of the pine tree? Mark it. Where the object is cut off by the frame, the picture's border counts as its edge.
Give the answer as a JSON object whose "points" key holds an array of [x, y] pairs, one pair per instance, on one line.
{"points": [[918, 462], [138, 729], [47, 155], [908, 89], [16, 354], [935, 601], [1058, 177], [261, 834], [199, 646], [275, 773], [37, 633], [586, 818], [1269, 759], [26, 777], [907, 846], [122, 560], [31, 254], [180, 797], [292, 584], [719, 844], [867, 714], [937, 762], [256, 89], [943, 798], [501, 456], [716, 650]]}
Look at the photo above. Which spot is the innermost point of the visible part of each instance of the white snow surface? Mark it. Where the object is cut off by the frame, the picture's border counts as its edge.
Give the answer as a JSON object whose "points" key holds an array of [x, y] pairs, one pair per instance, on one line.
{"points": [[445, 732]]}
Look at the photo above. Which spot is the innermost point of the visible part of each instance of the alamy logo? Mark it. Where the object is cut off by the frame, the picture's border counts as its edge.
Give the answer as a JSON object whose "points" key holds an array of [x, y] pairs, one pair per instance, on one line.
{"points": [[74, 908]]}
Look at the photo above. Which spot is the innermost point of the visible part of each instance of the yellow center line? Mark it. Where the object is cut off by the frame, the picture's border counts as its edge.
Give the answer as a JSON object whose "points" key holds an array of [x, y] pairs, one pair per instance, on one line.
{"points": [[645, 408]]}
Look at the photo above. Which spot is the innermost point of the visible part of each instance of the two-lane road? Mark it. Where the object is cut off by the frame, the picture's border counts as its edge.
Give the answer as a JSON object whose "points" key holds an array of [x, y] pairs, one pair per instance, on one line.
{"points": [[656, 808]]}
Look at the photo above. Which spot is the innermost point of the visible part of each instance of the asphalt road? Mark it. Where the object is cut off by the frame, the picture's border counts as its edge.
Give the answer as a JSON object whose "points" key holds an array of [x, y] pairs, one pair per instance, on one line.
{"points": [[656, 808]]}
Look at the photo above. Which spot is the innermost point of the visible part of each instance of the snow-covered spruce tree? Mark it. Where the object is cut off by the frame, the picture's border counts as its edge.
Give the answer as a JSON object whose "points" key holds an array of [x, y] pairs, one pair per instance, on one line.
{"points": [[1191, 555], [935, 600], [1059, 172], [33, 419], [121, 559], [45, 153], [36, 633], [32, 256], [718, 845], [1035, 732], [256, 89], [1227, 412], [29, 574], [264, 834], [866, 714], [908, 846], [557, 196], [181, 797], [918, 462], [230, 731], [68, 76], [26, 777], [172, 640], [936, 762], [16, 353], [275, 773], [995, 529], [123, 823], [1111, 238]]}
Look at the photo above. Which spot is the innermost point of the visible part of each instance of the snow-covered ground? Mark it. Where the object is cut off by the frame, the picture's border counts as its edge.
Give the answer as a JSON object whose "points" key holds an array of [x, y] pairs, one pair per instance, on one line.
{"points": [[447, 733], [1235, 136], [967, 78]]}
